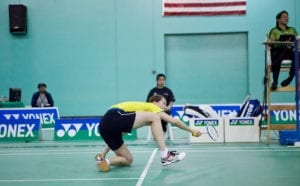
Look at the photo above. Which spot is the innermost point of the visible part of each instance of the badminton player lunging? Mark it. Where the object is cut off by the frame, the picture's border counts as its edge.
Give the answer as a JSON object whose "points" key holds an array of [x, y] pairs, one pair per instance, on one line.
{"points": [[123, 117]]}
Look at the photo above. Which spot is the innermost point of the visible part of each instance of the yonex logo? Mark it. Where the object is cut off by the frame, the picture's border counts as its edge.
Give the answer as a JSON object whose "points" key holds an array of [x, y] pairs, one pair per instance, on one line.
{"points": [[285, 115], [45, 118], [16, 130], [9, 116], [241, 122], [181, 116], [69, 129], [206, 122]]}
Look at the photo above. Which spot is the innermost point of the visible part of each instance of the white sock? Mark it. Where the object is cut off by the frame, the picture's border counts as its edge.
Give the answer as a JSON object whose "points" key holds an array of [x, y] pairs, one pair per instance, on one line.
{"points": [[164, 153], [107, 161]]}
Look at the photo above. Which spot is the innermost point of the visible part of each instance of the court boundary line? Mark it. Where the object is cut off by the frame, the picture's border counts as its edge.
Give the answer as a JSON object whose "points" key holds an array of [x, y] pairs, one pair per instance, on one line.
{"points": [[65, 179], [52, 153], [146, 169], [144, 151]]}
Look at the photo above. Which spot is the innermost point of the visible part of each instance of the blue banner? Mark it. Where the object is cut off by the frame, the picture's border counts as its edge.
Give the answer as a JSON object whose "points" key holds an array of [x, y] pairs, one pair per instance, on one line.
{"points": [[177, 111], [81, 129], [46, 115], [19, 130]]}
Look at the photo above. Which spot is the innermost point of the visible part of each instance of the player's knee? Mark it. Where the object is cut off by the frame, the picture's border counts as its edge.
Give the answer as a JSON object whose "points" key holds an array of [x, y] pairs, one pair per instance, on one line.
{"points": [[128, 161]]}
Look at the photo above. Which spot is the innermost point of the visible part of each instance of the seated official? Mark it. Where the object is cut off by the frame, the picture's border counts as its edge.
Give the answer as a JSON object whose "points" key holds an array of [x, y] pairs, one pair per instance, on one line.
{"points": [[280, 52], [42, 98]]}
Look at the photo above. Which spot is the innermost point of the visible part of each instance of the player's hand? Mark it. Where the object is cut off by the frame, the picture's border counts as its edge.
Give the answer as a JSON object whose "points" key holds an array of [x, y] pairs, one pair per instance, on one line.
{"points": [[196, 133], [167, 108]]}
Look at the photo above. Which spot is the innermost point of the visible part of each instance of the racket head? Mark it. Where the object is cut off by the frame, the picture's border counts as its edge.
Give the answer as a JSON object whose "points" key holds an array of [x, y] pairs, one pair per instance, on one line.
{"points": [[212, 132]]}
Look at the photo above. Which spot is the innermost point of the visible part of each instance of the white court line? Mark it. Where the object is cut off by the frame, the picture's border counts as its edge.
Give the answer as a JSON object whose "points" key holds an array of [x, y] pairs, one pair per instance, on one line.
{"points": [[145, 171], [70, 179], [244, 150], [64, 150], [93, 150], [29, 153], [187, 150], [143, 150]]}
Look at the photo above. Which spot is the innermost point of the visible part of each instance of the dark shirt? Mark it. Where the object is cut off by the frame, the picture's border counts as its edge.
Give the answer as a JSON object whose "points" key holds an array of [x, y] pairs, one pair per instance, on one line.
{"points": [[165, 91], [35, 97]]}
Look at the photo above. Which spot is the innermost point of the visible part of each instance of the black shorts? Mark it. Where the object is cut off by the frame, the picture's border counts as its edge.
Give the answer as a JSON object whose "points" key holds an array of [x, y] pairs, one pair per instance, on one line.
{"points": [[113, 124]]}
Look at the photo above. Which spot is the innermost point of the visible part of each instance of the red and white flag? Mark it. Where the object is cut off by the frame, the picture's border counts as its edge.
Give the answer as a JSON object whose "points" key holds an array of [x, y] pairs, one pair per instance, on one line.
{"points": [[204, 7]]}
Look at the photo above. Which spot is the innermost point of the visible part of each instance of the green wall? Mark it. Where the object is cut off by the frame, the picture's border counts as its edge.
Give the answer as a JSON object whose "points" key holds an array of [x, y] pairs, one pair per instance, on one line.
{"points": [[93, 53]]}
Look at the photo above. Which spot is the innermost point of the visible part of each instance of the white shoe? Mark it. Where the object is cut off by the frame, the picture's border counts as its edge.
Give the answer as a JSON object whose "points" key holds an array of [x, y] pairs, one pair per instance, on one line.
{"points": [[172, 157]]}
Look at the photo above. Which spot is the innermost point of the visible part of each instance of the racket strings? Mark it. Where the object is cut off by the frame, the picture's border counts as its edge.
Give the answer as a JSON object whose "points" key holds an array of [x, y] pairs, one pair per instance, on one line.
{"points": [[212, 132]]}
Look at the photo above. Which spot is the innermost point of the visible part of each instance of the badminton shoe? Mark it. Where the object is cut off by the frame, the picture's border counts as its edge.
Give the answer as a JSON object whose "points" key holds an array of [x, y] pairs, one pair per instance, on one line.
{"points": [[172, 157], [101, 163]]}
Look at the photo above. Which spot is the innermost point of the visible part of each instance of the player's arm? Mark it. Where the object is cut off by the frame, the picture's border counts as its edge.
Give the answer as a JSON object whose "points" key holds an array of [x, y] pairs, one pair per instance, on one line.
{"points": [[178, 124], [171, 100], [170, 105]]}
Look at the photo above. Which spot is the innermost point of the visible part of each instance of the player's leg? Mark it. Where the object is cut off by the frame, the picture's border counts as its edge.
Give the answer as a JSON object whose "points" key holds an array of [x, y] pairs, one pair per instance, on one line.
{"points": [[144, 118], [152, 119], [115, 123], [123, 157]]}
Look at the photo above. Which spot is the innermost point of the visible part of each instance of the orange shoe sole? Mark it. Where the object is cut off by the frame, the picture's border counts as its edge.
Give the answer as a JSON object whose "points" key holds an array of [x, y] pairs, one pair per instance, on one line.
{"points": [[102, 165]]}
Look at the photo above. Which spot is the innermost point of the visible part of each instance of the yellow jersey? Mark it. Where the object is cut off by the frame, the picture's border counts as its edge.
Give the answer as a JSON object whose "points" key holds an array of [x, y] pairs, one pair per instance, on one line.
{"points": [[138, 106]]}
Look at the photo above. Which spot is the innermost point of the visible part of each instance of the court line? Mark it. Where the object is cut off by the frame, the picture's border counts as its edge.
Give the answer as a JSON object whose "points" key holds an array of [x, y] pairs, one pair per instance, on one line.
{"points": [[140, 150], [67, 179], [144, 151], [145, 171], [241, 150], [55, 153]]}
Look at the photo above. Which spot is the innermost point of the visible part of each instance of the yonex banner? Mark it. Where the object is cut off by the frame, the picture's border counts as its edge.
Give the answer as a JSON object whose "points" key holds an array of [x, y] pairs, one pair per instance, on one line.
{"points": [[19, 130], [241, 121], [241, 129], [202, 122], [81, 129], [46, 115], [177, 111], [211, 129], [276, 116], [283, 116]]}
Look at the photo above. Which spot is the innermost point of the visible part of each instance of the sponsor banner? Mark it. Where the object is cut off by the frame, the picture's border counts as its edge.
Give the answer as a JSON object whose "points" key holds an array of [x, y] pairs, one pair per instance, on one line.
{"points": [[241, 129], [19, 130], [241, 122], [177, 111], [283, 116], [46, 115], [205, 122], [276, 116], [82, 129], [211, 129]]}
